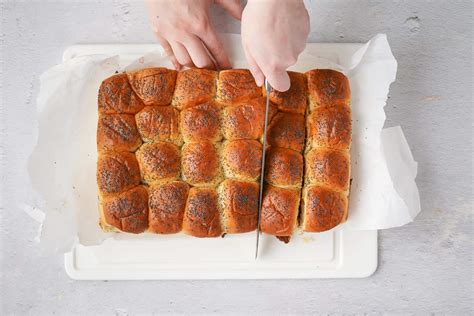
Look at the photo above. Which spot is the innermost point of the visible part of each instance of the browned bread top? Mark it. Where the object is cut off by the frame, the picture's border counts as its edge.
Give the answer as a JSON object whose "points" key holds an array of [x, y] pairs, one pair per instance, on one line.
{"points": [[329, 168], [159, 123], [239, 204], [155, 86], [167, 203], [127, 211], [245, 120], [202, 217], [236, 85], [194, 86], [330, 127], [279, 210], [116, 96], [323, 209], [284, 167], [117, 132], [287, 130], [327, 87], [159, 161], [200, 164], [117, 172], [201, 123], [242, 159], [181, 151]]}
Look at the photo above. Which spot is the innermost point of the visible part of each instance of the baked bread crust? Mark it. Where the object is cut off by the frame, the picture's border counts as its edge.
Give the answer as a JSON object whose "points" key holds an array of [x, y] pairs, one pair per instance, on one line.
{"points": [[117, 132], [181, 152], [327, 158]]}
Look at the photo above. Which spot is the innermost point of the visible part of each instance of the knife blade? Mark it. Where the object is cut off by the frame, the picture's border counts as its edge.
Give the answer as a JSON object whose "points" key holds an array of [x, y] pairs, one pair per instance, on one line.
{"points": [[268, 89]]}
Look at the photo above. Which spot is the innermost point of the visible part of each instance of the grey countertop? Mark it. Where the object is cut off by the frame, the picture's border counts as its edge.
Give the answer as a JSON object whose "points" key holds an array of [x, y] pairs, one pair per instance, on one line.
{"points": [[424, 267]]}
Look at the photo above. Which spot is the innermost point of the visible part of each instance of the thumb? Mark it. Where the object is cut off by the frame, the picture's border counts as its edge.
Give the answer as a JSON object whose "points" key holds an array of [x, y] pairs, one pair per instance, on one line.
{"points": [[279, 80], [233, 7]]}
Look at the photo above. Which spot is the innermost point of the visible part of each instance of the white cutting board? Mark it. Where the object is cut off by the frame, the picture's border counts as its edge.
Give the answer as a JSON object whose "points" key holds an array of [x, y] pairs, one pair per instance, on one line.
{"points": [[339, 253]]}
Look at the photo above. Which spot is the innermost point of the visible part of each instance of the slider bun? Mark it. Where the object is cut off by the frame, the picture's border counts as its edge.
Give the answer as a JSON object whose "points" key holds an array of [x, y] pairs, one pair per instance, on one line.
{"points": [[155, 86], [242, 159], [327, 88], [239, 204], [116, 96], [159, 162], [200, 164], [328, 167], [117, 172], [201, 123], [236, 85], [330, 127], [283, 167], [246, 119], [287, 130], [279, 211], [117, 132], [127, 211], [194, 86], [159, 123], [167, 203], [323, 209], [201, 217]]}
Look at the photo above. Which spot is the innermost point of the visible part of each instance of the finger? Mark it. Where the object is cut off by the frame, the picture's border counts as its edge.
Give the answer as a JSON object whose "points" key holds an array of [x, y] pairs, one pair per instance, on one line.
{"points": [[278, 79], [182, 54], [233, 7], [198, 52], [254, 69], [215, 47], [168, 51]]}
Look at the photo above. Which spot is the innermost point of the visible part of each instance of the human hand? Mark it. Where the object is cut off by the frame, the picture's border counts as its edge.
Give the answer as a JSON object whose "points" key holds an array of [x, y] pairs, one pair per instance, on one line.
{"points": [[184, 29], [274, 33]]}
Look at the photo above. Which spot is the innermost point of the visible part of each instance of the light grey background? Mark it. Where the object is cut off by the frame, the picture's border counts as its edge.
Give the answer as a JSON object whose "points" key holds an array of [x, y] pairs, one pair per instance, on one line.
{"points": [[424, 267]]}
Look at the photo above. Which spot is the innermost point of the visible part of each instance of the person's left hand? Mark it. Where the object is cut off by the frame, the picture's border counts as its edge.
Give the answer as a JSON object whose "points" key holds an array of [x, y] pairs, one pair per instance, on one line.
{"points": [[185, 31]]}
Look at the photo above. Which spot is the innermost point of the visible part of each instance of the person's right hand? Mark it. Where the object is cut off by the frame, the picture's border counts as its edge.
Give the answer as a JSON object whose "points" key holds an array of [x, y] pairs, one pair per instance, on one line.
{"points": [[274, 33], [184, 29]]}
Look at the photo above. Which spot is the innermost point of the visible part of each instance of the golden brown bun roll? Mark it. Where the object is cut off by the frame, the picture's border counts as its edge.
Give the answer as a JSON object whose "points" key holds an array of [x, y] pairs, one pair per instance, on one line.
{"points": [[200, 164], [328, 167], [323, 209], [327, 88], [166, 207], [127, 211], [294, 100], [201, 123], [284, 167], [287, 130], [194, 86], [117, 172], [159, 123], [239, 203], [117, 132], [159, 161], [246, 120], [236, 85], [116, 96], [202, 217], [330, 127], [242, 159], [155, 86], [279, 211]]}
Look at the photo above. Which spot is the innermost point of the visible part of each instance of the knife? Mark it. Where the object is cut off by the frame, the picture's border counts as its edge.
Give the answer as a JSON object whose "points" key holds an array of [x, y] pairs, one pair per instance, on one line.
{"points": [[268, 89]]}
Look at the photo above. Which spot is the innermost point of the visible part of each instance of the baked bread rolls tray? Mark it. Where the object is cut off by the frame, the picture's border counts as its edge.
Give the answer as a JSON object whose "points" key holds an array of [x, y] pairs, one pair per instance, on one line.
{"points": [[181, 152]]}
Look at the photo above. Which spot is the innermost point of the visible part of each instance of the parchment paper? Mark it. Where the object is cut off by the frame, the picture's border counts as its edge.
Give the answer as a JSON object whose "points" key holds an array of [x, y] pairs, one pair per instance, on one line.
{"points": [[63, 164]]}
